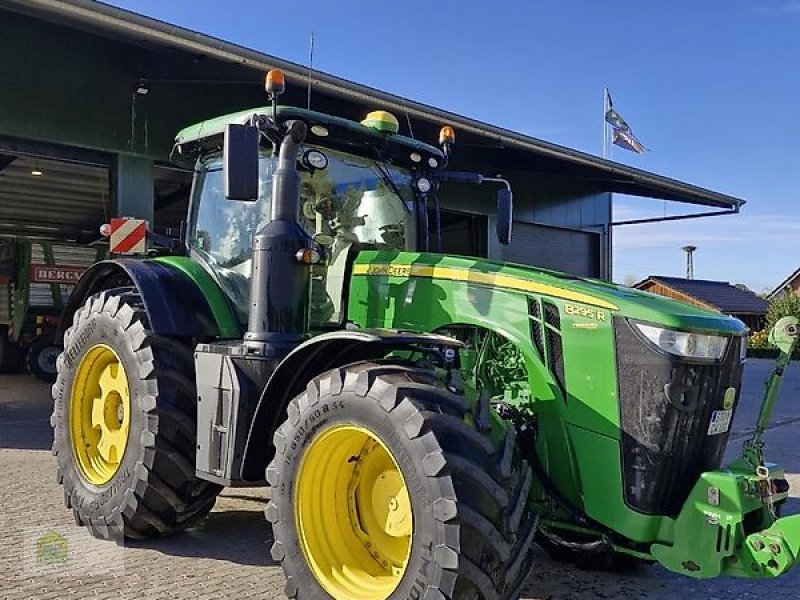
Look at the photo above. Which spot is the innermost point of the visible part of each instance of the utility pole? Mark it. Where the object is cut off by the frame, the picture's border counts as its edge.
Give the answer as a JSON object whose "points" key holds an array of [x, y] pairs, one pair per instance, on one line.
{"points": [[689, 260]]}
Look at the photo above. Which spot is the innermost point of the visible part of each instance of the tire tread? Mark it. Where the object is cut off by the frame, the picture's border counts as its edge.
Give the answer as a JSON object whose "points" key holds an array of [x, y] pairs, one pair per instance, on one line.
{"points": [[164, 496], [485, 554]]}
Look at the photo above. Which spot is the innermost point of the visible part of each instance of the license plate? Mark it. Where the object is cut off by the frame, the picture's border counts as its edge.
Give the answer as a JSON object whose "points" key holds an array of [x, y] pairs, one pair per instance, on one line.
{"points": [[720, 422]]}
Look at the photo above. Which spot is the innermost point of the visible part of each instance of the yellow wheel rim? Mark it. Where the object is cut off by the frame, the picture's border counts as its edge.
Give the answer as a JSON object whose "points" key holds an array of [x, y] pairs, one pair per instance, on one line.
{"points": [[99, 414], [353, 514]]}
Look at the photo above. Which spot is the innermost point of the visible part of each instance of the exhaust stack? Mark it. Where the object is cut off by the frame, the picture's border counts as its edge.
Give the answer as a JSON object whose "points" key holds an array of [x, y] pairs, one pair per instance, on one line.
{"points": [[279, 285]]}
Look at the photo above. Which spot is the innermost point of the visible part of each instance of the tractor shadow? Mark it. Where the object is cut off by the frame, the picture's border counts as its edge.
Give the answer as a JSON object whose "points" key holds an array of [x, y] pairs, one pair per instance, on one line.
{"points": [[25, 408], [552, 580], [243, 537]]}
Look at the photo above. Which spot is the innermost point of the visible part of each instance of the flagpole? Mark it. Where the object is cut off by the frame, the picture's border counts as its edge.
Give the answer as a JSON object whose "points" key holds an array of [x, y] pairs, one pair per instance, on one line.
{"points": [[605, 125]]}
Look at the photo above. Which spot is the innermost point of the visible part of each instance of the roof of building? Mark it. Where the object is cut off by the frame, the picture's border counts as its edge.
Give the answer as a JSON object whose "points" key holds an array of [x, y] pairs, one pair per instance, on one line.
{"points": [[721, 295], [139, 30], [784, 284]]}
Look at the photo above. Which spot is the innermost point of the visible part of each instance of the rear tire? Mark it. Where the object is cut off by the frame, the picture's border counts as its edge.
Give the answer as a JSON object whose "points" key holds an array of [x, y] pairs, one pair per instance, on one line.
{"points": [[153, 490], [42, 357], [472, 530]]}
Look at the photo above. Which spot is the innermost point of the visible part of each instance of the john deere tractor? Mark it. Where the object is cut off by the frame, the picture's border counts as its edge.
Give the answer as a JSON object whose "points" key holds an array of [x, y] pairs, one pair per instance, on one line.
{"points": [[421, 419]]}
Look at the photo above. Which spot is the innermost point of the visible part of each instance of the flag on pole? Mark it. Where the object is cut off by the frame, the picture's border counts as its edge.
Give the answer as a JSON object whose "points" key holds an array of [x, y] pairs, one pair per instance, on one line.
{"points": [[622, 135], [625, 139]]}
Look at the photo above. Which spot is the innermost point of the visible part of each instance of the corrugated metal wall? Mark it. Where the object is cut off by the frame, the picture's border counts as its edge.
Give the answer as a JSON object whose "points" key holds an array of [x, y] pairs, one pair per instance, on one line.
{"points": [[65, 199], [64, 255], [568, 250]]}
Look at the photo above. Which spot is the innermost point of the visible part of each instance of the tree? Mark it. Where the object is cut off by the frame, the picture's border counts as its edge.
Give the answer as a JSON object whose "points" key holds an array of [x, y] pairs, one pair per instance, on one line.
{"points": [[787, 304], [630, 279]]}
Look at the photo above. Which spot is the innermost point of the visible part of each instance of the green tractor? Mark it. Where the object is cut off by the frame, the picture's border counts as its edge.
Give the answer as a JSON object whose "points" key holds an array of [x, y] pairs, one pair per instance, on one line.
{"points": [[421, 419]]}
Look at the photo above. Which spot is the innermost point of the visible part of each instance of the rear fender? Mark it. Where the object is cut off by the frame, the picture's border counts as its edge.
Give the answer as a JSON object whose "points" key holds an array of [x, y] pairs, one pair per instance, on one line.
{"points": [[314, 357], [175, 303]]}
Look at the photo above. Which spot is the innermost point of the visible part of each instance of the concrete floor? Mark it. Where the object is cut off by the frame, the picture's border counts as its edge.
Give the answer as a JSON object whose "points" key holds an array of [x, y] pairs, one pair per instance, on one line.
{"points": [[226, 556]]}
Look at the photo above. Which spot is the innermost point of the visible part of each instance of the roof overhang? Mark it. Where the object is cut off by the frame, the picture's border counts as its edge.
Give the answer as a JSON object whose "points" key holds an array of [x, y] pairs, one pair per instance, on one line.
{"points": [[137, 29], [781, 287]]}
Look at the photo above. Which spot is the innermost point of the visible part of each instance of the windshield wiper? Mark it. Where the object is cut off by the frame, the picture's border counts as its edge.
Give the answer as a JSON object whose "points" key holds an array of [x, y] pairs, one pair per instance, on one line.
{"points": [[387, 179]]}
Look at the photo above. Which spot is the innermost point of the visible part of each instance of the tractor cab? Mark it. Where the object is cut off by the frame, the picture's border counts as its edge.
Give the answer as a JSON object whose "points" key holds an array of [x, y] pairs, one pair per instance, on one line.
{"points": [[362, 187]]}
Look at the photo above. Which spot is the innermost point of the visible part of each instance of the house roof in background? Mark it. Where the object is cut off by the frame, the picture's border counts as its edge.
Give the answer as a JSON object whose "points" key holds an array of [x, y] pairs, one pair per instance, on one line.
{"points": [[783, 284], [719, 294]]}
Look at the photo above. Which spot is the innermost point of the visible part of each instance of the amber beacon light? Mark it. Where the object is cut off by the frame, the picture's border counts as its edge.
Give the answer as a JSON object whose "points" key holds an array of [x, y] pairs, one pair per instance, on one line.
{"points": [[275, 82], [447, 135]]}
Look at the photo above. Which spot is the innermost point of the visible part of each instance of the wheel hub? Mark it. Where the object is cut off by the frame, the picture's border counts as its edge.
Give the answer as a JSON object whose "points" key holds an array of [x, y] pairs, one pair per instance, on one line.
{"points": [[390, 504], [99, 414], [354, 515], [47, 359]]}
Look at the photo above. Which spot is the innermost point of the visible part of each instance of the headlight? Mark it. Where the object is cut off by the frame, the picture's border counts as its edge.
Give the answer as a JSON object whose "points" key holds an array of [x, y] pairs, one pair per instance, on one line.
{"points": [[687, 345]]}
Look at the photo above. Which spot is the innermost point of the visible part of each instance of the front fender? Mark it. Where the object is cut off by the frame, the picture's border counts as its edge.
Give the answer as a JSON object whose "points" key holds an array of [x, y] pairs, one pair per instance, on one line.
{"points": [[311, 358]]}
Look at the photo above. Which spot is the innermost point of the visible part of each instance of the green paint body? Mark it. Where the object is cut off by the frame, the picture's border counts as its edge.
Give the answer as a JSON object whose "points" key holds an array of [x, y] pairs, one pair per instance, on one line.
{"points": [[579, 436], [579, 440], [220, 307]]}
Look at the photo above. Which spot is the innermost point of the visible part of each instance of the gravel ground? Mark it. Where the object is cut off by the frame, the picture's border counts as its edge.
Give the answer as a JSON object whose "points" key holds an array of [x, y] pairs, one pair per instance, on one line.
{"points": [[226, 556]]}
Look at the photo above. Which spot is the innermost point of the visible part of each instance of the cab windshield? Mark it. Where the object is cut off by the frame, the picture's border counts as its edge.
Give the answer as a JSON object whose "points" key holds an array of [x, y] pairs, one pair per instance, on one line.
{"points": [[354, 203]]}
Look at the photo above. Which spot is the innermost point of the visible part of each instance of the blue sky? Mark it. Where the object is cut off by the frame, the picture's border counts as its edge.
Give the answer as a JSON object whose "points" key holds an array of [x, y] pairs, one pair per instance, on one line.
{"points": [[712, 88]]}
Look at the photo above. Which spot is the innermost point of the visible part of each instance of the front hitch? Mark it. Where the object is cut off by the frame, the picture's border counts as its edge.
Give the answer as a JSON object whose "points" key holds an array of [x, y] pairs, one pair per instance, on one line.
{"points": [[773, 551], [729, 525], [784, 336]]}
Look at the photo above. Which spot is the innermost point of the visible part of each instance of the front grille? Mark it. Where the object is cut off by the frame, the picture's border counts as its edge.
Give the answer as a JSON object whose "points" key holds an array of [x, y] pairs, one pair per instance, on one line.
{"points": [[548, 332], [536, 327], [665, 411]]}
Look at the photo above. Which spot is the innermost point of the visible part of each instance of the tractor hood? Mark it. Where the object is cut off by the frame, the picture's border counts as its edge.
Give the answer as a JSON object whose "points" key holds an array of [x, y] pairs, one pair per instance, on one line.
{"points": [[619, 300]]}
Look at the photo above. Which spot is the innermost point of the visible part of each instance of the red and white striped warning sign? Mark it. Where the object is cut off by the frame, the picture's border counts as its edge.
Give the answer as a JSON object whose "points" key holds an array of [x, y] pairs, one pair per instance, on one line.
{"points": [[128, 236]]}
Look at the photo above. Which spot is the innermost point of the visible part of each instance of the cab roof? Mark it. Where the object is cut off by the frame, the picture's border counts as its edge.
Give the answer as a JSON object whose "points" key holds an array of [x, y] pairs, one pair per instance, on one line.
{"points": [[208, 134]]}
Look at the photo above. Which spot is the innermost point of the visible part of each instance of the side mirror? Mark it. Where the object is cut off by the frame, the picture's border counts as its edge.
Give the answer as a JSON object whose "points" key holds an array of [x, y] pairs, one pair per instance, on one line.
{"points": [[240, 166], [505, 215]]}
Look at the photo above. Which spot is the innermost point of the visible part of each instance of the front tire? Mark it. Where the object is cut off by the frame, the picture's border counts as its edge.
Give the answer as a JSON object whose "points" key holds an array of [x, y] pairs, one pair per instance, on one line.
{"points": [[382, 487], [124, 423]]}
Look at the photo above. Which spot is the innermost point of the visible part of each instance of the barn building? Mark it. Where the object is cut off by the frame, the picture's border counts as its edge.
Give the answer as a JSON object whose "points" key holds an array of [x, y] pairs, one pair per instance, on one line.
{"points": [[91, 98]]}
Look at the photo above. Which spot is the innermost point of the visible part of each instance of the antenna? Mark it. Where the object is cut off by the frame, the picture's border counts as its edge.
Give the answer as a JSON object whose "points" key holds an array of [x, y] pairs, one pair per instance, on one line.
{"points": [[689, 260], [408, 120], [310, 66]]}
